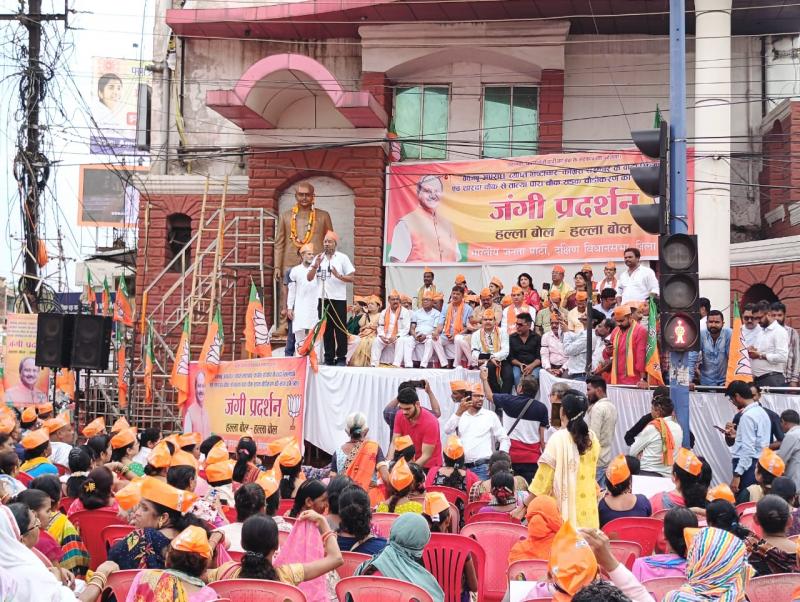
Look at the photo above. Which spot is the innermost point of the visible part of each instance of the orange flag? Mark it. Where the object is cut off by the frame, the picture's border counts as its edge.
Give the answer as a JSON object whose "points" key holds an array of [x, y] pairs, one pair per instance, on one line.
{"points": [[148, 366], [91, 297], [256, 331], [738, 358], [122, 370], [653, 359], [65, 382], [179, 378], [211, 353], [122, 306], [307, 348]]}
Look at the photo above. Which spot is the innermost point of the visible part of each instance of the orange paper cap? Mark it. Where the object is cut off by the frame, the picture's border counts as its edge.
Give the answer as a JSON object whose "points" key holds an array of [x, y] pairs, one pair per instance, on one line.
{"points": [[218, 453], [497, 282], [688, 462], [220, 471], [405, 298], [120, 424], [476, 388], [472, 298], [332, 235], [485, 293], [193, 539], [45, 408], [572, 563], [434, 504], [455, 385], [129, 496], [558, 268], [581, 296], [515, 290], [359, 299], [460, 279], [188, 439], [182, 458], [268, 482], [689, 534], [618, 470], [160, 456], [290, 456], [453, 449], [506, 301], [59, 422], [428, 295], [611, 265], [401, 476], [375, 299], [123, 438], [586, 268], [772, 462], [35, 438], [402, 442], [438, 297], [489, 313], [555, 294], [307, 248], [95, 427], [721, 492], [7, 424], [393, 293], [29, 415], [276, 446], [162, 493], [427, 270], [621, 311]]}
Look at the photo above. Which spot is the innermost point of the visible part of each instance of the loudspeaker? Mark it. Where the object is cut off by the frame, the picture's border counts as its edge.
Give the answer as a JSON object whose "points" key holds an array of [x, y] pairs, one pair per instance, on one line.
{"points": [[53, 340], [91, 342]]}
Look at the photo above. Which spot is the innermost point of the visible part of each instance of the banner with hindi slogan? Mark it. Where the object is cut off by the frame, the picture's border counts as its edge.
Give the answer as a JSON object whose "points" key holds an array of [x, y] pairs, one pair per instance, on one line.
{"points": [[540, 209], [262, 398], [24, 382]]}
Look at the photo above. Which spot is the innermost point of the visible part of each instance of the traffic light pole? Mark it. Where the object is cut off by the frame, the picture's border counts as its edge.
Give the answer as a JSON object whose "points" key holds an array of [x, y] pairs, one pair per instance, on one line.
{"points": [[679, 371]]}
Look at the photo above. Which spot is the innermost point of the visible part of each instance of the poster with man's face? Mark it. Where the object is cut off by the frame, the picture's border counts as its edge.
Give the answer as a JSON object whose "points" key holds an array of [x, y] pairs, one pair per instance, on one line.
{"points": [[24, 382]]}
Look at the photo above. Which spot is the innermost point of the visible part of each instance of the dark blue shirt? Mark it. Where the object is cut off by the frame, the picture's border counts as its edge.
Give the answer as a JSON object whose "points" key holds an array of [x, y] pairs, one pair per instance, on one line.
{"points": [[372, 546], [640, 508]]}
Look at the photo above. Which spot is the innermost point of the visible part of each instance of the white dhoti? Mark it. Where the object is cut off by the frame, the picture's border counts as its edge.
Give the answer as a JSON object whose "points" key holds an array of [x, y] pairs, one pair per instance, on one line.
{"points": [[429, 347], [398, 348], [462, 349]]}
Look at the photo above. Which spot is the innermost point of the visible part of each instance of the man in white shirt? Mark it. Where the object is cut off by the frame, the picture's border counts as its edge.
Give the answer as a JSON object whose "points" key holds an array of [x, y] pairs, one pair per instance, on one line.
{"points": [[638, 282], [393, 326], [575, 349], [750, 321], [600, 341], [334, 271], [552, 351], [601, 416], [490, 347], [608, 301], [302, 297], [61, 435], [792, 372], [789, 450], [480, 430], [452, 321], [423, 325], [769, 356], [517, 307]]}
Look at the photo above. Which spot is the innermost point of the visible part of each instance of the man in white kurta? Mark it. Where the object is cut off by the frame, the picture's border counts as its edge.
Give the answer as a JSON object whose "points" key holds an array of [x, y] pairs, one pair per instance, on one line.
{"points": [[393, 326], [423, 325], [517, 307], [303, 297], [490, 343]]}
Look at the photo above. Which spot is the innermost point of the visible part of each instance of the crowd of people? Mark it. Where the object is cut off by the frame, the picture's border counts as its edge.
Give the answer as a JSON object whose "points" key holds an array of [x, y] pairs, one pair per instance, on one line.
{"points": [[199, 513]]}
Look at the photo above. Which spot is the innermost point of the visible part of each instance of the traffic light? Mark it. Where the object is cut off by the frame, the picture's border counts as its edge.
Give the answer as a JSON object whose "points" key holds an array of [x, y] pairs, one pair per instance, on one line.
{"points": [[652, 179], [679, 292]]}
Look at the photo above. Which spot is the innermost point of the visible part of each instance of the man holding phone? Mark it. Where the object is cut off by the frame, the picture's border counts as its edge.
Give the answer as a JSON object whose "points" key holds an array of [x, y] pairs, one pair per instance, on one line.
{"points": [[421, 425]]}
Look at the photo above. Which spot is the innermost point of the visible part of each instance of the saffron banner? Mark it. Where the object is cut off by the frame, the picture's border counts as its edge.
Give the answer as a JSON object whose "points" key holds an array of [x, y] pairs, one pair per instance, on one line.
{"points": [[262, 398], [539, 209]]}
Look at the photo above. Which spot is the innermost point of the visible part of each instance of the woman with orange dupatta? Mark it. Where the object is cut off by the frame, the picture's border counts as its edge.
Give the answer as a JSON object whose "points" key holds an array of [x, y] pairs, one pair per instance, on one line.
{"points": [[544, 521], [361, 459]]}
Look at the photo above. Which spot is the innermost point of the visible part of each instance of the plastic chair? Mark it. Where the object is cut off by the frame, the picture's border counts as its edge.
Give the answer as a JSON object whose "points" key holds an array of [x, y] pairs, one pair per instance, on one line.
{"points": [[24, 478], [771, 588], [445, 556], [471, 510], [455, 518], [529, 570], [235, 556], [120, 583], [643, 531], [351, 562], [626, 552], [745, 508], [370, 588], [92, 536], [497, 539], [659, 586], [451, 493], [113, 533], [660, 514], [284, 506], [748, 521], [230, 513], [257, 590], [492, 517], [382, 521], [64, 503]]}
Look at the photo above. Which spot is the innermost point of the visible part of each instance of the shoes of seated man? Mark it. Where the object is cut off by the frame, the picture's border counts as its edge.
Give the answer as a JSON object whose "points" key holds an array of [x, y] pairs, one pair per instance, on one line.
{"points": [[341, 362]]}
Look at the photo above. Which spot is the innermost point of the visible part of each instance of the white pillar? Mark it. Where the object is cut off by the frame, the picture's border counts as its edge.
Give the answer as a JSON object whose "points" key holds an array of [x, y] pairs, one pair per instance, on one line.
{"points": [[712, 130]]}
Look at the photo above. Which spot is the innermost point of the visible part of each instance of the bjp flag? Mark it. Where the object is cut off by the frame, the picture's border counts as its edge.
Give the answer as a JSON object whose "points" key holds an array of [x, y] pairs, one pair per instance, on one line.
{"points": [[256, 331], [179, 378], [122, 305], [652, 357], [211, 353], [122, 370], [738, 358]]}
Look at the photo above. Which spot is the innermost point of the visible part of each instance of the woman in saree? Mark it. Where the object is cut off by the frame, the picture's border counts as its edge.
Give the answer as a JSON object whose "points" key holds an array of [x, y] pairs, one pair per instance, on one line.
{"points": [[368, 330], [361, 459]]}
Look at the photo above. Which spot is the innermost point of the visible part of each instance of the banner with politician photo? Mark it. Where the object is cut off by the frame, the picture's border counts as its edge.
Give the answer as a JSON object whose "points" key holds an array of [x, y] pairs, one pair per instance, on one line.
{"points": [[24, 382], [538, 209], [261, 398]]}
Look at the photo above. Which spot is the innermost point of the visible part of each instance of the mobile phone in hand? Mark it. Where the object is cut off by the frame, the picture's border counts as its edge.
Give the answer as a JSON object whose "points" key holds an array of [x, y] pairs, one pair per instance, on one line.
{"points": [[720, 429]]}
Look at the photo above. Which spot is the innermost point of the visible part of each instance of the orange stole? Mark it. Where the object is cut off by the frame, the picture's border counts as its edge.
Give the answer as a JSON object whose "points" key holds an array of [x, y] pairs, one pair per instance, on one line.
{"points": [[362, 468]]}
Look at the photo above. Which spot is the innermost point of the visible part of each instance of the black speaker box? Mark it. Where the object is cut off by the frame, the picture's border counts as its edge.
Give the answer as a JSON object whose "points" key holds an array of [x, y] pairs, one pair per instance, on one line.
{"points": [[54, 340], [91, 342]]}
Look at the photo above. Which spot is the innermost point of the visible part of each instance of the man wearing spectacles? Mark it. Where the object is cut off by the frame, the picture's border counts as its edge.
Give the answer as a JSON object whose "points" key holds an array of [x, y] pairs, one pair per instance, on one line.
{"points": [[750, 320]]}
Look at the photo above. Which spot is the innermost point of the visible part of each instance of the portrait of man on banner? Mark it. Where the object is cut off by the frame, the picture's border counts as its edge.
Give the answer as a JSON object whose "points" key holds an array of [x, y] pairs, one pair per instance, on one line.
{"points": [[24, 383], [25, 392], [424, 234], [196, 419]]}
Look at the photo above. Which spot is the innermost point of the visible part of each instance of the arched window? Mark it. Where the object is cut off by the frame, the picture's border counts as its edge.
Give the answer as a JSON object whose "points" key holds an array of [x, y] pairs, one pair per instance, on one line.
{"points": [[179, 233], [757, 292]]}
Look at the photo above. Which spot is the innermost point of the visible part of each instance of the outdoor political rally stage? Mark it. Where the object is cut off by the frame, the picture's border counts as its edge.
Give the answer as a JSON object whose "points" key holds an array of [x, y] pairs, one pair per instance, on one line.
{"points": [[334, 392]]}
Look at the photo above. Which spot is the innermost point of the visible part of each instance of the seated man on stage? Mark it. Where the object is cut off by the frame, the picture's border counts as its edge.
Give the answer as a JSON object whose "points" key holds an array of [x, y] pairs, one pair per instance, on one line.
{"points": [[518, 306], [393, 328], [490, 348], [423, 331], [452, 322]]}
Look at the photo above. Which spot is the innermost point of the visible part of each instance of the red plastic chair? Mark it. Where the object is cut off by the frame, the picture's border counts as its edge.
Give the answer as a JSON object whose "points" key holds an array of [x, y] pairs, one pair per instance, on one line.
{"points": [[351, 562], [745, 508], [64, 503], [120, 583], [257, 590], [24, 478], [492, 517], [451, 493], [455, 518], [113, 533], [383, 521], [92, 536], [659, 586], [748, 521], [471, 510], [497, 539], [644, 531], [660, 514], [230, 513], [284, 506], [529, 570], [626, 552], [445, 556], [235, 556], [370, 588], [771, 588]]}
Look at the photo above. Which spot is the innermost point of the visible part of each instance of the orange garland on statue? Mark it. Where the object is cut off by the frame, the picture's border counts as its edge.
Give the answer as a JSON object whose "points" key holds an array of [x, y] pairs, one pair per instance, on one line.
{"points": [[309, 227]]}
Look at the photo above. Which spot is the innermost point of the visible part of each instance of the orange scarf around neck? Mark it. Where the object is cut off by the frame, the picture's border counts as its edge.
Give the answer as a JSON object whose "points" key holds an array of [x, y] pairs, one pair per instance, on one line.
{"points": [[387, 315], [455, 322]]}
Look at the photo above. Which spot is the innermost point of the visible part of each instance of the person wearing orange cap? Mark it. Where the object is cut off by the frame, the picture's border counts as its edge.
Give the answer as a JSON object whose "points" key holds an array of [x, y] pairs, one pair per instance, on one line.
{"points": [[552, 307], [406, 302], [423, 234], [302, 296], [402, 482], [453, 473], [496, 289], [45, 410], [488, 302], [554, 360], [619, 500], [452, 322], [638, 282], [29, 419], [393, 327], [220, 478], [480, 431], [95, 427], [301, 225], [574, 324], [559, 284], [490, 348], [609, 277], [769, 467], [627, 350], [360, 346], [25, 393], [333, 271], [37, 450], [517, 307], [61, 436], [427, 286], [423, 324], [692, 478]]}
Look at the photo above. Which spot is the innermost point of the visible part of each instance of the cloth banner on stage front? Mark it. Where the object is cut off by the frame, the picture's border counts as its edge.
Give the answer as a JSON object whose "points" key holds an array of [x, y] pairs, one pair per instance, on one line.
{"points": [[546, 208], [24, 383], [262, 398], [706, 410]]}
